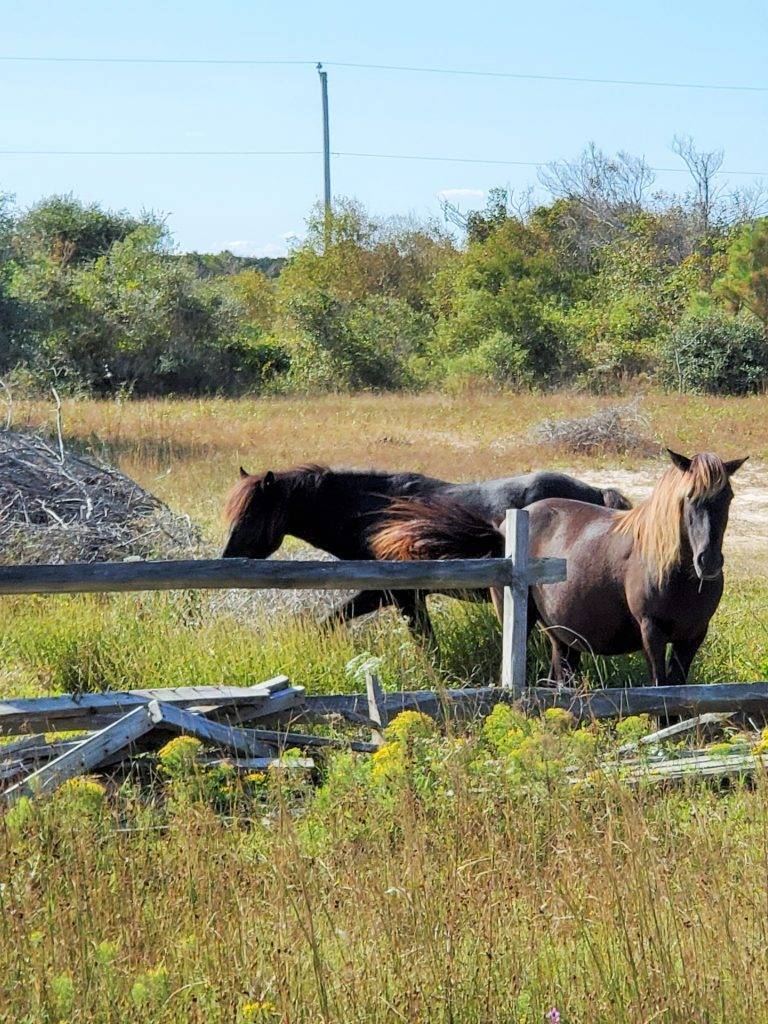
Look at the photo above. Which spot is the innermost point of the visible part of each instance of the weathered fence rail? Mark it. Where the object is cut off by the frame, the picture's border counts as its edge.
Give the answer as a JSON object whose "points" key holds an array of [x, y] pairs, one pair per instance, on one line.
{"points": [[243, 573], [513, 574]]}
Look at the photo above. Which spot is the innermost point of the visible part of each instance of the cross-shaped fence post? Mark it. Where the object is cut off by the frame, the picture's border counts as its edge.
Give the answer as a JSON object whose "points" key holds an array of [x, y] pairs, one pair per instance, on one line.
{"points": [[515, 614]]}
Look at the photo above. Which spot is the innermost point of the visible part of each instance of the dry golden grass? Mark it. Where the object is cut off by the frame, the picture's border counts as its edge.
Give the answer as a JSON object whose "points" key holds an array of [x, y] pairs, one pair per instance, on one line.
{"points": [[188, 451], [478, 904]]}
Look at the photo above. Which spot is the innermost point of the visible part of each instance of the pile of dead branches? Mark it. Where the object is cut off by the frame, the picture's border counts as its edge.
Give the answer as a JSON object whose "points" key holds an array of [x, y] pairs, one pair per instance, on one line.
{"points": [[56, 506], [618, 429]]}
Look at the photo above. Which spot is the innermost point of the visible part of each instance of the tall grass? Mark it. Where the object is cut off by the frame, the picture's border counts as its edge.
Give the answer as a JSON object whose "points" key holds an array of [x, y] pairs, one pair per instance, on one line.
{"points": [[483, 899], [90, 643], [481, 906]]}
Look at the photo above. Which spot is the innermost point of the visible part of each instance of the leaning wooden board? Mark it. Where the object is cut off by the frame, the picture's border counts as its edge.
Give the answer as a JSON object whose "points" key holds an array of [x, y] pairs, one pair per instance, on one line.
{"points": [[96, 710]]}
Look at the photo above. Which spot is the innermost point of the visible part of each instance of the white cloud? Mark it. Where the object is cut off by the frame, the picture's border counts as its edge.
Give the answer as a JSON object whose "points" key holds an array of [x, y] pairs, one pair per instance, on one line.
{"points": [[462, 193], [243, 247]]}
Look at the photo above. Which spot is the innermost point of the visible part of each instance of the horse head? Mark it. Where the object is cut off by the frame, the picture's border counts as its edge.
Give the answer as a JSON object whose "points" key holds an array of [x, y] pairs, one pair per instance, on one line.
{"points": [[257, 515], [706, 498]]}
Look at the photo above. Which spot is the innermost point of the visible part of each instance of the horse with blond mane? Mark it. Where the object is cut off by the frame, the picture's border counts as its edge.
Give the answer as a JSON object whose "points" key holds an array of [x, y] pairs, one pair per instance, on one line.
{"points": [[642, 579]]}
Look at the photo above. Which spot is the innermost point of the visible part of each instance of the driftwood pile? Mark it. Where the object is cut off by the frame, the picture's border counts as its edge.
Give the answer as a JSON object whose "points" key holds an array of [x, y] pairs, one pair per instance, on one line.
{"points": [[617, 429], [57, 507]]}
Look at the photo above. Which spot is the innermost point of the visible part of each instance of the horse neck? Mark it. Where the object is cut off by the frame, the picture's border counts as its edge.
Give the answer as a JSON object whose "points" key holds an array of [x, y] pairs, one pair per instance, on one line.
{"points": [[318, 515]]}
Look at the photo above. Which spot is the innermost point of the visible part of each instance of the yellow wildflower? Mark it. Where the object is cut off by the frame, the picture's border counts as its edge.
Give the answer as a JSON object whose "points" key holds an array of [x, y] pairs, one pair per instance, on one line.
{"points": [[410, 725], [252, 1013], [387, 762], [559, 719], [177, 757], [86, 792]]}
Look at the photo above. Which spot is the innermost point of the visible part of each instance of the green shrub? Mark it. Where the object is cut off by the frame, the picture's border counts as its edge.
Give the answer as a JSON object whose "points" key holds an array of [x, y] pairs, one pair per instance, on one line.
{"points": [[716, 354], [499, 361]]}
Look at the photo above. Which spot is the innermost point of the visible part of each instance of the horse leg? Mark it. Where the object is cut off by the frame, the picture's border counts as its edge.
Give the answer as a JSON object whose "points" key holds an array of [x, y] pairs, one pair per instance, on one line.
{"points": [[683, 653], [364, 603], [413, 606], [497, 600], [655, 651], [565, 661]]}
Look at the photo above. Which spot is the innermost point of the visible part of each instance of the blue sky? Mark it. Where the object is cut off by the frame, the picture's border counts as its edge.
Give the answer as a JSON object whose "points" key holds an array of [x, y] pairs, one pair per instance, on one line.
{"points": [[254, 204]]}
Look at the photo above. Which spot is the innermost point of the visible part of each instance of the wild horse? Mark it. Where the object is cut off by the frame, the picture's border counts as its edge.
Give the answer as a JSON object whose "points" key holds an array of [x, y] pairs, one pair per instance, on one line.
{"points": [[338, 510], [637, 580]]}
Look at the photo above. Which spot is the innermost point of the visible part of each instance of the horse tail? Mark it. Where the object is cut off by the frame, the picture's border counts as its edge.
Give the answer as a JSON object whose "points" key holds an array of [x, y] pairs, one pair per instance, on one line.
{"points": [[434, 529], [615, 499]]}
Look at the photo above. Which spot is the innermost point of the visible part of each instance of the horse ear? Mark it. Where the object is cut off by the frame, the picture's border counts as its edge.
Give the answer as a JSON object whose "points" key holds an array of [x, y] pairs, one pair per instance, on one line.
{"points": [[269, 479], [682, 463], [734, 464], [244, 473]]}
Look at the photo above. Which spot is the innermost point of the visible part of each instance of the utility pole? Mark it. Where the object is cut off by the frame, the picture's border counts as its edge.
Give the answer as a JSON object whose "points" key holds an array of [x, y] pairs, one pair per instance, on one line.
{"points": [[326, 153]]}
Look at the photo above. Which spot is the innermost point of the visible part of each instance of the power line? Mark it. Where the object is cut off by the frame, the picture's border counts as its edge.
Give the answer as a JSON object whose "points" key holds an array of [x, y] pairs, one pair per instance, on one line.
{"points": [[720, 87], [337, 153], [159, 152], [153, 60], [401, 68]]}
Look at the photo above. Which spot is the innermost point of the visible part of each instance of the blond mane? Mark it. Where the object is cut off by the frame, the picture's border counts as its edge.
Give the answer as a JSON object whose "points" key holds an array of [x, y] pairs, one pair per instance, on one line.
{"points": [[655, 524]]}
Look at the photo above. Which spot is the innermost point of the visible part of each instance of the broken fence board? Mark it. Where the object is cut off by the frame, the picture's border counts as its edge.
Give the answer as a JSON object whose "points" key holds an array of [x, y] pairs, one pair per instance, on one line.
{"points": [[472, 702], [700, 766], [652, 700], [220, 735], [95, 710], [678, 729], [262, 763], [84, 756], [274, 737]]}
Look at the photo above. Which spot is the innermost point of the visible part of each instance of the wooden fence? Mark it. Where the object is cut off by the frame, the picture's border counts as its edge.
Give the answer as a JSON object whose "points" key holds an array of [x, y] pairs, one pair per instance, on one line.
{"points": [[515, 574], [121, 725]]}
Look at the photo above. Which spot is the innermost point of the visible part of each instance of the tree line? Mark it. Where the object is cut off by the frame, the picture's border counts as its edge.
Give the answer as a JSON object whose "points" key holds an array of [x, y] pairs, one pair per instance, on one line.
{"points": [[606, 280]]}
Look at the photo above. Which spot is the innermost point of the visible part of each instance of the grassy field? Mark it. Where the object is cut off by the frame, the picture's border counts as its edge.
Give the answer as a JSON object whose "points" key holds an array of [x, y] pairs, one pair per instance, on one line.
{"points": [[471, 883]]}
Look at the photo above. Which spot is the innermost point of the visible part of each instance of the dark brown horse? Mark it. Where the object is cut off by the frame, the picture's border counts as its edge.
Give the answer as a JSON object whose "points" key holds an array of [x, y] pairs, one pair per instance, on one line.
{"points": [[336, 511], [641, 579]]}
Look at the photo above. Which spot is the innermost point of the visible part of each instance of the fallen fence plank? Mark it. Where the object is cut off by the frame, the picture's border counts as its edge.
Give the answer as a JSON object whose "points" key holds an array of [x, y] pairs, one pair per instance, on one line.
{"points": [[700, 766], [473, 702], [84, 756], [238, 713], [262, 763], [464, 703], [95, 710], [277, 738], [245, 573], [231, 738], [678, 729]]}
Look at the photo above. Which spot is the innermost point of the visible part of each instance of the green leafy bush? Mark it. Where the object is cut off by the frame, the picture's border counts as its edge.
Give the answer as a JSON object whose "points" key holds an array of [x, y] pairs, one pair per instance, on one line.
{"points": [[717, 354]]}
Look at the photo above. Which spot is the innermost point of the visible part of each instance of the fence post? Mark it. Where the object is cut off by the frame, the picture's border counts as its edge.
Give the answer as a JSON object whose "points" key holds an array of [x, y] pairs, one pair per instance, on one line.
{"points": [[515, 614]]}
